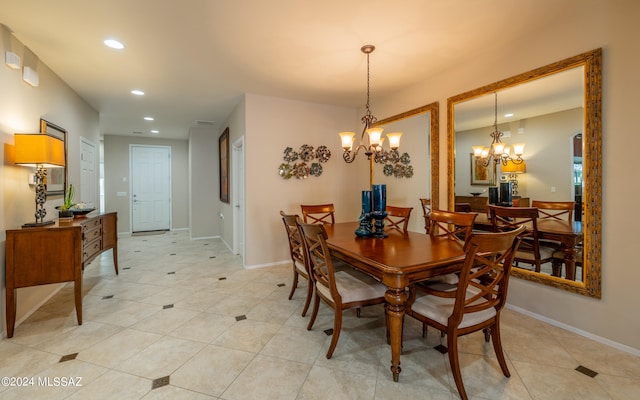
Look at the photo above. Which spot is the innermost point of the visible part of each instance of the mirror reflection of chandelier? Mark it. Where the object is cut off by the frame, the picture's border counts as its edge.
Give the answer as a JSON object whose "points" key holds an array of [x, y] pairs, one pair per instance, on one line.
{"points": [[498, 152], [371, 138]]}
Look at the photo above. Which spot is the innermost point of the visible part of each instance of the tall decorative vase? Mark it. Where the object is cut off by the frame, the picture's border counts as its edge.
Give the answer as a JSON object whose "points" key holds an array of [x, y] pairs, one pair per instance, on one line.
{"points": [[365, 217], [493, 195], [379, 193], [506, 199]]}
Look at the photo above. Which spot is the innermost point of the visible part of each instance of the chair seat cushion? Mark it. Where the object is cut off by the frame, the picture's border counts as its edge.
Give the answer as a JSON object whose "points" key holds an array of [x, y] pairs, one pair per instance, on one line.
{"points": [[354, 286], [439, 309], [301, 268]]}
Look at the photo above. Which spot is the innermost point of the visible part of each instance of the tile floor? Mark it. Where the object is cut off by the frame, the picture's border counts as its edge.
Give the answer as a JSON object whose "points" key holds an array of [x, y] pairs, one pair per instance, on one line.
{"points": [[183, 320]]}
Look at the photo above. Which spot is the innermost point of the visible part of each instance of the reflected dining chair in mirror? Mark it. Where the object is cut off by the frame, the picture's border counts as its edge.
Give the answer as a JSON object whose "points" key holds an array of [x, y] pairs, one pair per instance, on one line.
{"points": [[531, 250], [426, 211], [398, 218], [341, 290], [318, 213], [555, 210], [477, 302], [300, 268]]}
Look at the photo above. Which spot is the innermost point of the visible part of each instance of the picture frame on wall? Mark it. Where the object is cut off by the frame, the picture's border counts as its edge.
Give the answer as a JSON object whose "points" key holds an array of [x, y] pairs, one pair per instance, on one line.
{"points": [[480, 175], [223, 146]]}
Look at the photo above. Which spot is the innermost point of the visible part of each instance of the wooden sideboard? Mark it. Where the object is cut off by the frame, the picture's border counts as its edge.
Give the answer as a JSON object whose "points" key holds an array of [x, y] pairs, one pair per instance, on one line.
{"points": [[479, 203], [57, 253]]}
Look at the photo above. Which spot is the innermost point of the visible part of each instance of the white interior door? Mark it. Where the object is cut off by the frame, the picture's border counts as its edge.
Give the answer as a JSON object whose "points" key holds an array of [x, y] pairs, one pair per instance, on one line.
{"points": [[237, 195], [150, 188], [88, 175]]}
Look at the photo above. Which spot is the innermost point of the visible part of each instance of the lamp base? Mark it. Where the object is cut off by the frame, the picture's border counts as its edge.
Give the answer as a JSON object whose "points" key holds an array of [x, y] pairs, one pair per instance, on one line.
{"points": [[37, 224]]}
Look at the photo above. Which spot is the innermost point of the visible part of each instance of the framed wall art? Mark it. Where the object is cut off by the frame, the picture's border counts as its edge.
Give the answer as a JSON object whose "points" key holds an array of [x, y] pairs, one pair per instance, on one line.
{"points": [[480, 174]]}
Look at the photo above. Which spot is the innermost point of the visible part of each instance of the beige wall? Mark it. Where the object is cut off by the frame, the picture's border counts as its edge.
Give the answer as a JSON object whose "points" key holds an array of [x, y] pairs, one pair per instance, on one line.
{"points": [[612, 26], [272, 125], [21, 107], [117, 178], [204, 198]]}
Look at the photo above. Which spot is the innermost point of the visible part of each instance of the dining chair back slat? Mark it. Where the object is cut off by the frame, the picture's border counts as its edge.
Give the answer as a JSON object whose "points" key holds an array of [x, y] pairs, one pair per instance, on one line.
{"points": [[318, 213], [398, 218], [555, 210]]}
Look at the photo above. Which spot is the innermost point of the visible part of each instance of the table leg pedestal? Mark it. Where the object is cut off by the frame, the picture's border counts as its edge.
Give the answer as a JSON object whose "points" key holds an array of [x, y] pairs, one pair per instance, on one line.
{"points": [[396, 300]]}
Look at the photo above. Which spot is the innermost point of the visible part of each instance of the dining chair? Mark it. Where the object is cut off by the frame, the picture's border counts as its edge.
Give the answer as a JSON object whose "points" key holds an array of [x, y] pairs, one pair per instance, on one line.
{"points": [[558, 261], [531, 250], [300, 267], [341, 290], [555, 210], [398, 218], [318, 213], [477, 302], [426, 211], [455, 226]]}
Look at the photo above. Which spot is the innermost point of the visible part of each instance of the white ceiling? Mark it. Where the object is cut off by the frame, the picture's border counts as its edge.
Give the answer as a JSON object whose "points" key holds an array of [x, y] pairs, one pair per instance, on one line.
{"points": [[195, 58]]}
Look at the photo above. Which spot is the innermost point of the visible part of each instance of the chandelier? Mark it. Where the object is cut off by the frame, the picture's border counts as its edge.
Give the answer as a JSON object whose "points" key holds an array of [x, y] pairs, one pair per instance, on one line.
{"points": [[497, 152], [371, 138]]}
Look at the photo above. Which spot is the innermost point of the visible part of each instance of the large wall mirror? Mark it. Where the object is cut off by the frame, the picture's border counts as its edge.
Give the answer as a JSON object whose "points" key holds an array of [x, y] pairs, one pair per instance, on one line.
{"points": [[56, 180], [420, 140], [555, 111]]}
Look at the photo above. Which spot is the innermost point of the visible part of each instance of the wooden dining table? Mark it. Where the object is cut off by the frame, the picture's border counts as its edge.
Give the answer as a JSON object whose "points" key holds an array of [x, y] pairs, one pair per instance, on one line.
{"points": [[397, 261], [568, 233]]}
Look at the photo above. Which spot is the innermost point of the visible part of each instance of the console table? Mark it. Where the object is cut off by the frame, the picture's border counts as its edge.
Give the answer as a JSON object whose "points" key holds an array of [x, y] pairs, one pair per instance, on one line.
{"points": [[57, 253]]}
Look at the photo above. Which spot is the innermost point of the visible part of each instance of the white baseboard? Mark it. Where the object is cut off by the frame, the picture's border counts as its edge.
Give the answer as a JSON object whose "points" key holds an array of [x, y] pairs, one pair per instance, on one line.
{"points": [[599, 339], [273, 264]]}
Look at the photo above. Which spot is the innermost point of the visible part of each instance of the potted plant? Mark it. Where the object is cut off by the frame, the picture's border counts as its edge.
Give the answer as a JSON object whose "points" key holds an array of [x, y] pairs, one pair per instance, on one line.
{"points": [[64, 211]]}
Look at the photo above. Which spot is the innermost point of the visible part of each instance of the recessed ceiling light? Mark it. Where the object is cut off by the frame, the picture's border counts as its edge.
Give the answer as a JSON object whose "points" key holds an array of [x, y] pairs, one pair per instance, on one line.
{"points": [[114, 44], [154, 131], [137, 92], [508, 115], [148, 118]]}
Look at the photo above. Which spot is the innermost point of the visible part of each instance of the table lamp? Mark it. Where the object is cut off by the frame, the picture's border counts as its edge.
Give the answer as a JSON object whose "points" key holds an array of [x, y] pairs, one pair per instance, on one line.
{"points": [[513, 170], [40, 151]]}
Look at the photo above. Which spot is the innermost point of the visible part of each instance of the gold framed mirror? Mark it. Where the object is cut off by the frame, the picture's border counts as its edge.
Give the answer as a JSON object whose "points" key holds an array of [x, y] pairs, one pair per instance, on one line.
{"points": [[583, 175], [420, 127]]}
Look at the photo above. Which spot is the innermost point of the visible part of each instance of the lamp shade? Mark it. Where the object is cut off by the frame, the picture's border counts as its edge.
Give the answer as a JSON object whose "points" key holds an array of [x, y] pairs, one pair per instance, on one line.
{"points": [[514, 168], [38, 149]]}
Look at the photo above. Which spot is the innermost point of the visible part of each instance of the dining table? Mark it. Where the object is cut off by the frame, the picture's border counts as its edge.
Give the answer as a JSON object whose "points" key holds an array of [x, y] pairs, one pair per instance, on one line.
{"points": [[568, 233], [398, 261]]}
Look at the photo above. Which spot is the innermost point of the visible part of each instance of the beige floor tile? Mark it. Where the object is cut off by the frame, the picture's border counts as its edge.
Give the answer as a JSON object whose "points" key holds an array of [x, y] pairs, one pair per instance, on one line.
{"points": [[164, 321], [602, 358], [247, 335], [212, 370], [327, 383], [552, 383], [161, 358], [171, 392], [117, 348], [204, 327], [114, 385], [619, 388], [296, 344], [78, 338], [268, 378], [58, 382]]}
